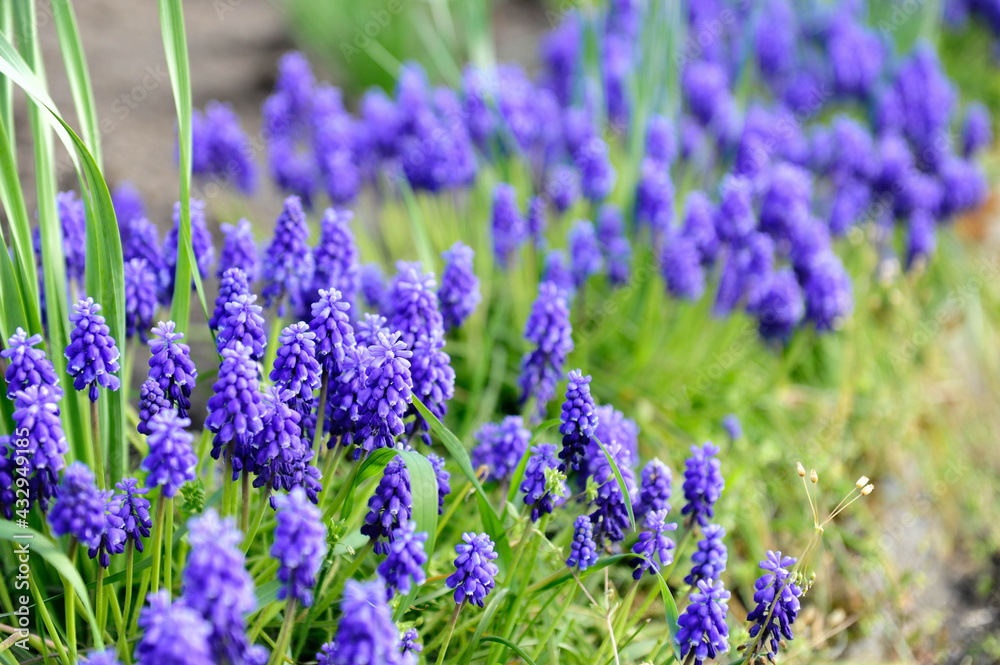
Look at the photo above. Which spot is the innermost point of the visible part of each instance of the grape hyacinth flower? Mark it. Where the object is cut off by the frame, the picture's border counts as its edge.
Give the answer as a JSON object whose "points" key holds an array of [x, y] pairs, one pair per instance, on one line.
{"points": [[171, 461], [778, 305], [133, 509], [385, 395], [239, 250], [404, 561], [127, 203], [288, 263], [655, 487], [334, 335], [827, 292], [372, 284], [170, 365], [733, 427], [336, 258], [734, 218], [367, 330], [92, 355], [235, 410], [509, 226], [390, 506], [540, 485], [612, 426], [548, 328], [977, 130], [201, 242], [921, 238], [777, 598], [703, 627], [342, 406], [78, 510], [216, 584], [151, 401], [585, 252], [140, 298], [610, 517], [583, 552], [597, 174], [703, 483], [654, 546], [680, 263], [299, 546], [475, 571], [433, 383], [412, 303], [563, 187], [295, 367], [244, 324], [557, 272], [536, 220], [614, 245], [699, 226], [112, 539], [366, 632], [459, 294], [36, 410], [443, 479], [26, 365], [709, 560], [221, 149], [279, 441], [661, 139], [577, 421], [141, 240], [232, 283], [106, 657], [654, 197], [172, 634], [500, 447], [409, 647]]}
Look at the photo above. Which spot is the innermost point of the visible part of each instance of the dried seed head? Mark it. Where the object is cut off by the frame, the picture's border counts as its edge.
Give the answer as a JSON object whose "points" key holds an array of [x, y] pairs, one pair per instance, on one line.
{"points": [[867, 489], [801, 469], [862, 481], [813, 476]]}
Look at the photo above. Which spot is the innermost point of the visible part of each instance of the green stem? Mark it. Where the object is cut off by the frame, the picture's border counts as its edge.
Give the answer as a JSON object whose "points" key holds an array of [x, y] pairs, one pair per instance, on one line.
{"points": [[168, 547], [143, 586], [154, 577], [245, 490], [99, 598], [258, 516], [330, 466], [272, 338], [95, 433], [320, 417], [126, 608], [359, 558], [570, 595], [344, 491], [286, 630], [451, 631], [70, 600], [36, 593]]}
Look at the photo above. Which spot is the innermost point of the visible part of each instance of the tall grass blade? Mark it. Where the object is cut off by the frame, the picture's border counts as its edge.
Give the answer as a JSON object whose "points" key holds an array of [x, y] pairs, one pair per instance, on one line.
{"points": [[79, 76]]}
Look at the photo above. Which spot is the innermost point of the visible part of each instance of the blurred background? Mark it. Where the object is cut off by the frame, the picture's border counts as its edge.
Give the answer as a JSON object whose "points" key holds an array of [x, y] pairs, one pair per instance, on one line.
{"points": [[908, 393]]}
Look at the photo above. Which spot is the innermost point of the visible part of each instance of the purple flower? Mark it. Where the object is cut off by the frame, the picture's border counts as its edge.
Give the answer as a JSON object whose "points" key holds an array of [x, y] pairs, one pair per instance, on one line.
{"points": [[577, 420], [615, 246], [500, 447], [787, 193], [610, 517], [557, 272], [242, 324], [221, 148], [331, 326], [342, 406], [235, 409], [655, 487], [964, 186], [141, 240], [778, 305], [279, 442], [654, 545], [140, 298], [560, 51], [217, 586], [239, 250], [827, 292], [563, 187], [920, 100], [412, 304], [746, 271], [734, 219], [509, 226], [548, 329], [334, 135], [777, 598], [292, 168], [299, 545], [336, 257], [170, 365], [172, 634], [78, 510], [851, 200], [171, 462], [133, 510], [26, 365], [680, 263], [385, 395], [854, 153], [368, 329], [442, 476], [475, 571], [775, 39], [404, 561], [112, 540], [706, 89], [409, 647], [106, 657], [654, 197], [536, 220], [709, 560], [459, 294], [288, 263], [36, 411], [128, 204], [295, 367], [389, 507], [372, 283], [921, 238], [151, 401], [856, 54], [233, 283], [201, 242], [703, 483], [977, 130], [91, 354], [583, 549], [613, 427], [597, 174], [661, 139], [72, 218], [699, 226], [535, 487], [585, 252], [433, 383], [366, 633], [732, 425], [703, 627]]}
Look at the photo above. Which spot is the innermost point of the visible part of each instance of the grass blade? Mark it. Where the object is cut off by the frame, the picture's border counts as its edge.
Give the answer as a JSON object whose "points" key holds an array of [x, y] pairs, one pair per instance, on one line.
{"points": [[78, 74], [510, 645], [621, 482]]}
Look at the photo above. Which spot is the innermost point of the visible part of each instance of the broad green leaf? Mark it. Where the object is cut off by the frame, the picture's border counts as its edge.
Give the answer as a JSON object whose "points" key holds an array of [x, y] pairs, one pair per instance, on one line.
{"points": [[424, 492], [24, 310], [372, 465]]}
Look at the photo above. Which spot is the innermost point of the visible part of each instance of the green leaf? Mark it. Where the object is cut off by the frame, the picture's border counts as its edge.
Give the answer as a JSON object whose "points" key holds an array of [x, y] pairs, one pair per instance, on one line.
{"points": [[24, 309], [566, 575], [484, 623], [621, 482], [39, 544], [424, 492], [78, 75], [491, 520], [518, 476], [510, 645], [671, 612], [372, 465], [267, 593]]}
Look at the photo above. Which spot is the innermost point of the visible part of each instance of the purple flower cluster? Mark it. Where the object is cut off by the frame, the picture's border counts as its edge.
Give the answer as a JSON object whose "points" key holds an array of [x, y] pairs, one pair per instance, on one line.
{"points": [[548, 329], [171, 462], [709, 560], [703, 627], [296, 370], [366, 632], [201, 243], [92, 355], [170, 365], [384, 396], [239, 250], [500, 447], [288, 262], [703, 483], [777, 598], [610, 516], [443, 479], [172, 634], [583, 551], [140, 298], [654, 547], [221, 149], [235, 409], [299, 545], [577, 421], [475, 572], [403, 565], [536, 484], [26, 365], [336, 258], [390, 507], [459, 294], [232, 284], [412, 304], [655, 487], [79, 507], [242, 323], [36, 411]]}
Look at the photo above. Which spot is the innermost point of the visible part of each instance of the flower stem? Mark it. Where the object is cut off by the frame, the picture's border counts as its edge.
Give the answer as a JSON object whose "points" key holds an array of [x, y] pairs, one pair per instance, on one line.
{"points": [[70, 600], [344, 490], [245, 490], [451, 631], [43, 611], [248, 536], [168, 547], [286, 630], [126, 608], [157, 539], [99, 597], [227, 477], [95, 434], [330, 466], [143, 586], [321, 414]]}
